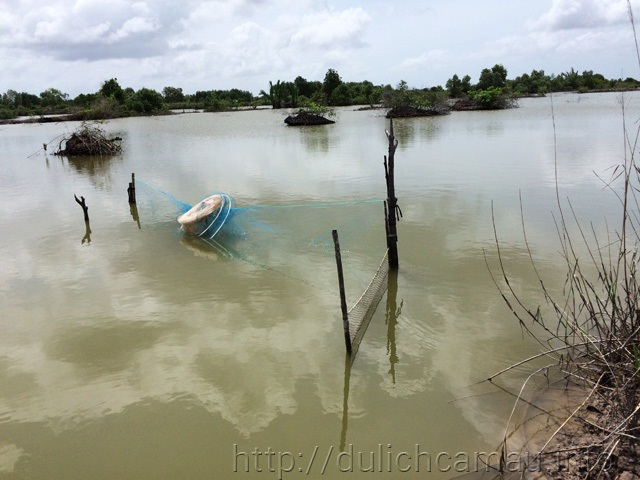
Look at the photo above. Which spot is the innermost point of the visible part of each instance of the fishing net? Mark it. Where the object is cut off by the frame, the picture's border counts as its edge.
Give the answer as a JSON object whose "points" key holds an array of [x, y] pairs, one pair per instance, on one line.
{"points": [[361, 313], [293, 240]]}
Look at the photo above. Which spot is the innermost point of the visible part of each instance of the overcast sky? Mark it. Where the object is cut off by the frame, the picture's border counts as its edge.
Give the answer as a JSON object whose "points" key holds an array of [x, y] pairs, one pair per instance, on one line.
{"points": [[75, 45]]}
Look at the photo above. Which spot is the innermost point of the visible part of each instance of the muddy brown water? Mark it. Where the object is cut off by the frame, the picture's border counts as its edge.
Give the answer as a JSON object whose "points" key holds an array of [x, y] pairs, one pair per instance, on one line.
{"points": [[136, 353]]}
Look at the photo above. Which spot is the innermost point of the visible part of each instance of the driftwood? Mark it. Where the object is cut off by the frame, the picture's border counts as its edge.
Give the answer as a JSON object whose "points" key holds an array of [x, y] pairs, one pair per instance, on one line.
{"points": [[83, 204], [89, 140]]}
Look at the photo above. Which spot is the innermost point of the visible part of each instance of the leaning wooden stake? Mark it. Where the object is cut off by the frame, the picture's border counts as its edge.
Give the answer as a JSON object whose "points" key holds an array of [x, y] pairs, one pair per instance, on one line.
{"points": [[85, 209], [132, 189], [343, 297], [393, 212]]}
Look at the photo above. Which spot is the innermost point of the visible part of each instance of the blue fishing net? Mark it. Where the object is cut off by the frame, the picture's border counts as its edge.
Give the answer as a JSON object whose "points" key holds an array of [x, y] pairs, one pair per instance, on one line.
{"points": [[305, 223], [293, 240], [269, 234]]}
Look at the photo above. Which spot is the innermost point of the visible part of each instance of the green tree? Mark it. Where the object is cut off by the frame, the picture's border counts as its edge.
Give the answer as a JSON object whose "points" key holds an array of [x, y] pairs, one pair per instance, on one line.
{"points": [[53, 98], [593, 81], [9, 98], [273, 97], [84, 100], [466, 84], [363, 93], [173, 95], [237, 96], [304, 87], [569, 80], [402, 93], [454, 86], [201, 97], [27, 100], [539, 82], [331, 82], [522, 85], [281, 94], [145, 101], [341, 95], [112, 89], [494, 77]]}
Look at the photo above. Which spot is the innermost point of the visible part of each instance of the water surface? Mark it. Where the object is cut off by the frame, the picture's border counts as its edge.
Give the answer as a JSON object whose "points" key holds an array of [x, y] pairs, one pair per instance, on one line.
{"points": [[132, 352]]}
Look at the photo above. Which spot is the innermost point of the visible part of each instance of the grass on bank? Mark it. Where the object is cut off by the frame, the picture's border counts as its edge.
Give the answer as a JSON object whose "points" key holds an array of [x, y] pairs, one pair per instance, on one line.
{"points": [[591, 330]]}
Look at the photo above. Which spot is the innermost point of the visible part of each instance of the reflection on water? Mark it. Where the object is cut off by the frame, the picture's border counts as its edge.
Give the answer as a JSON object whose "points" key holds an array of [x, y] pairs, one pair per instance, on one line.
{"points": [[316, 138], [208, 248], [97, 168], [407, 131], [393, 311], [133, 209], [150, 354]]}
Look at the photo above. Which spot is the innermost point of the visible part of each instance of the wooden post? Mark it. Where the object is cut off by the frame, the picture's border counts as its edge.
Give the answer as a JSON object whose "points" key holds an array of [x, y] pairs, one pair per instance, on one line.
{"points": [[343, 298], [132, 189], [393, 211], [85, 209]]}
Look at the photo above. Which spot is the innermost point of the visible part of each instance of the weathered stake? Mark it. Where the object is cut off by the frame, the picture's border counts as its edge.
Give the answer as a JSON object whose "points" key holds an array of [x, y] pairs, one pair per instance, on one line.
{"points": [[132, 189], [393, 212], [85, 209], [343, 298]]}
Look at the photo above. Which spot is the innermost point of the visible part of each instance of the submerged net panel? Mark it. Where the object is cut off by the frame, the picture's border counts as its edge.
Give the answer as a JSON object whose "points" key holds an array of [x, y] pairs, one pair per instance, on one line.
{"points": [[292, 240], [296, 241], [157, 207], [361, 313]]}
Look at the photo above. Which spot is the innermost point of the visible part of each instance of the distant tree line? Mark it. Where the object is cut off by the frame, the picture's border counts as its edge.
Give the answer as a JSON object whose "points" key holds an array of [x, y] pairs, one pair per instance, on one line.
{"points": [[538, 83], [332, 91], [113, 101], [493, 90]]}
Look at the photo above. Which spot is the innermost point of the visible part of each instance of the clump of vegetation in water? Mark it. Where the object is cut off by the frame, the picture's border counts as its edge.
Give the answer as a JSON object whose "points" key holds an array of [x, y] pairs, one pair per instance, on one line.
{"points": [[492, 92], [405, 102], [89, 139], [312, 114]]}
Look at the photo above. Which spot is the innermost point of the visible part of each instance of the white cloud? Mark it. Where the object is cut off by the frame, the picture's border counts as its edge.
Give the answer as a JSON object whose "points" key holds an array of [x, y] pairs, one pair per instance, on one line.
{"points": [[134, 26], [331, 29], [95, 29], [221, 44], [250, 49], [425, 59], [572, 14]]}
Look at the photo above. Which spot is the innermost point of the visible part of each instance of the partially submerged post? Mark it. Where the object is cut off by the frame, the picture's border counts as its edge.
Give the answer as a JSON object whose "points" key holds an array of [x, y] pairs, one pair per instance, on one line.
{"points": [[392, 211], [133, 208], [83, 204], [343, 297], [132, 189]]}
